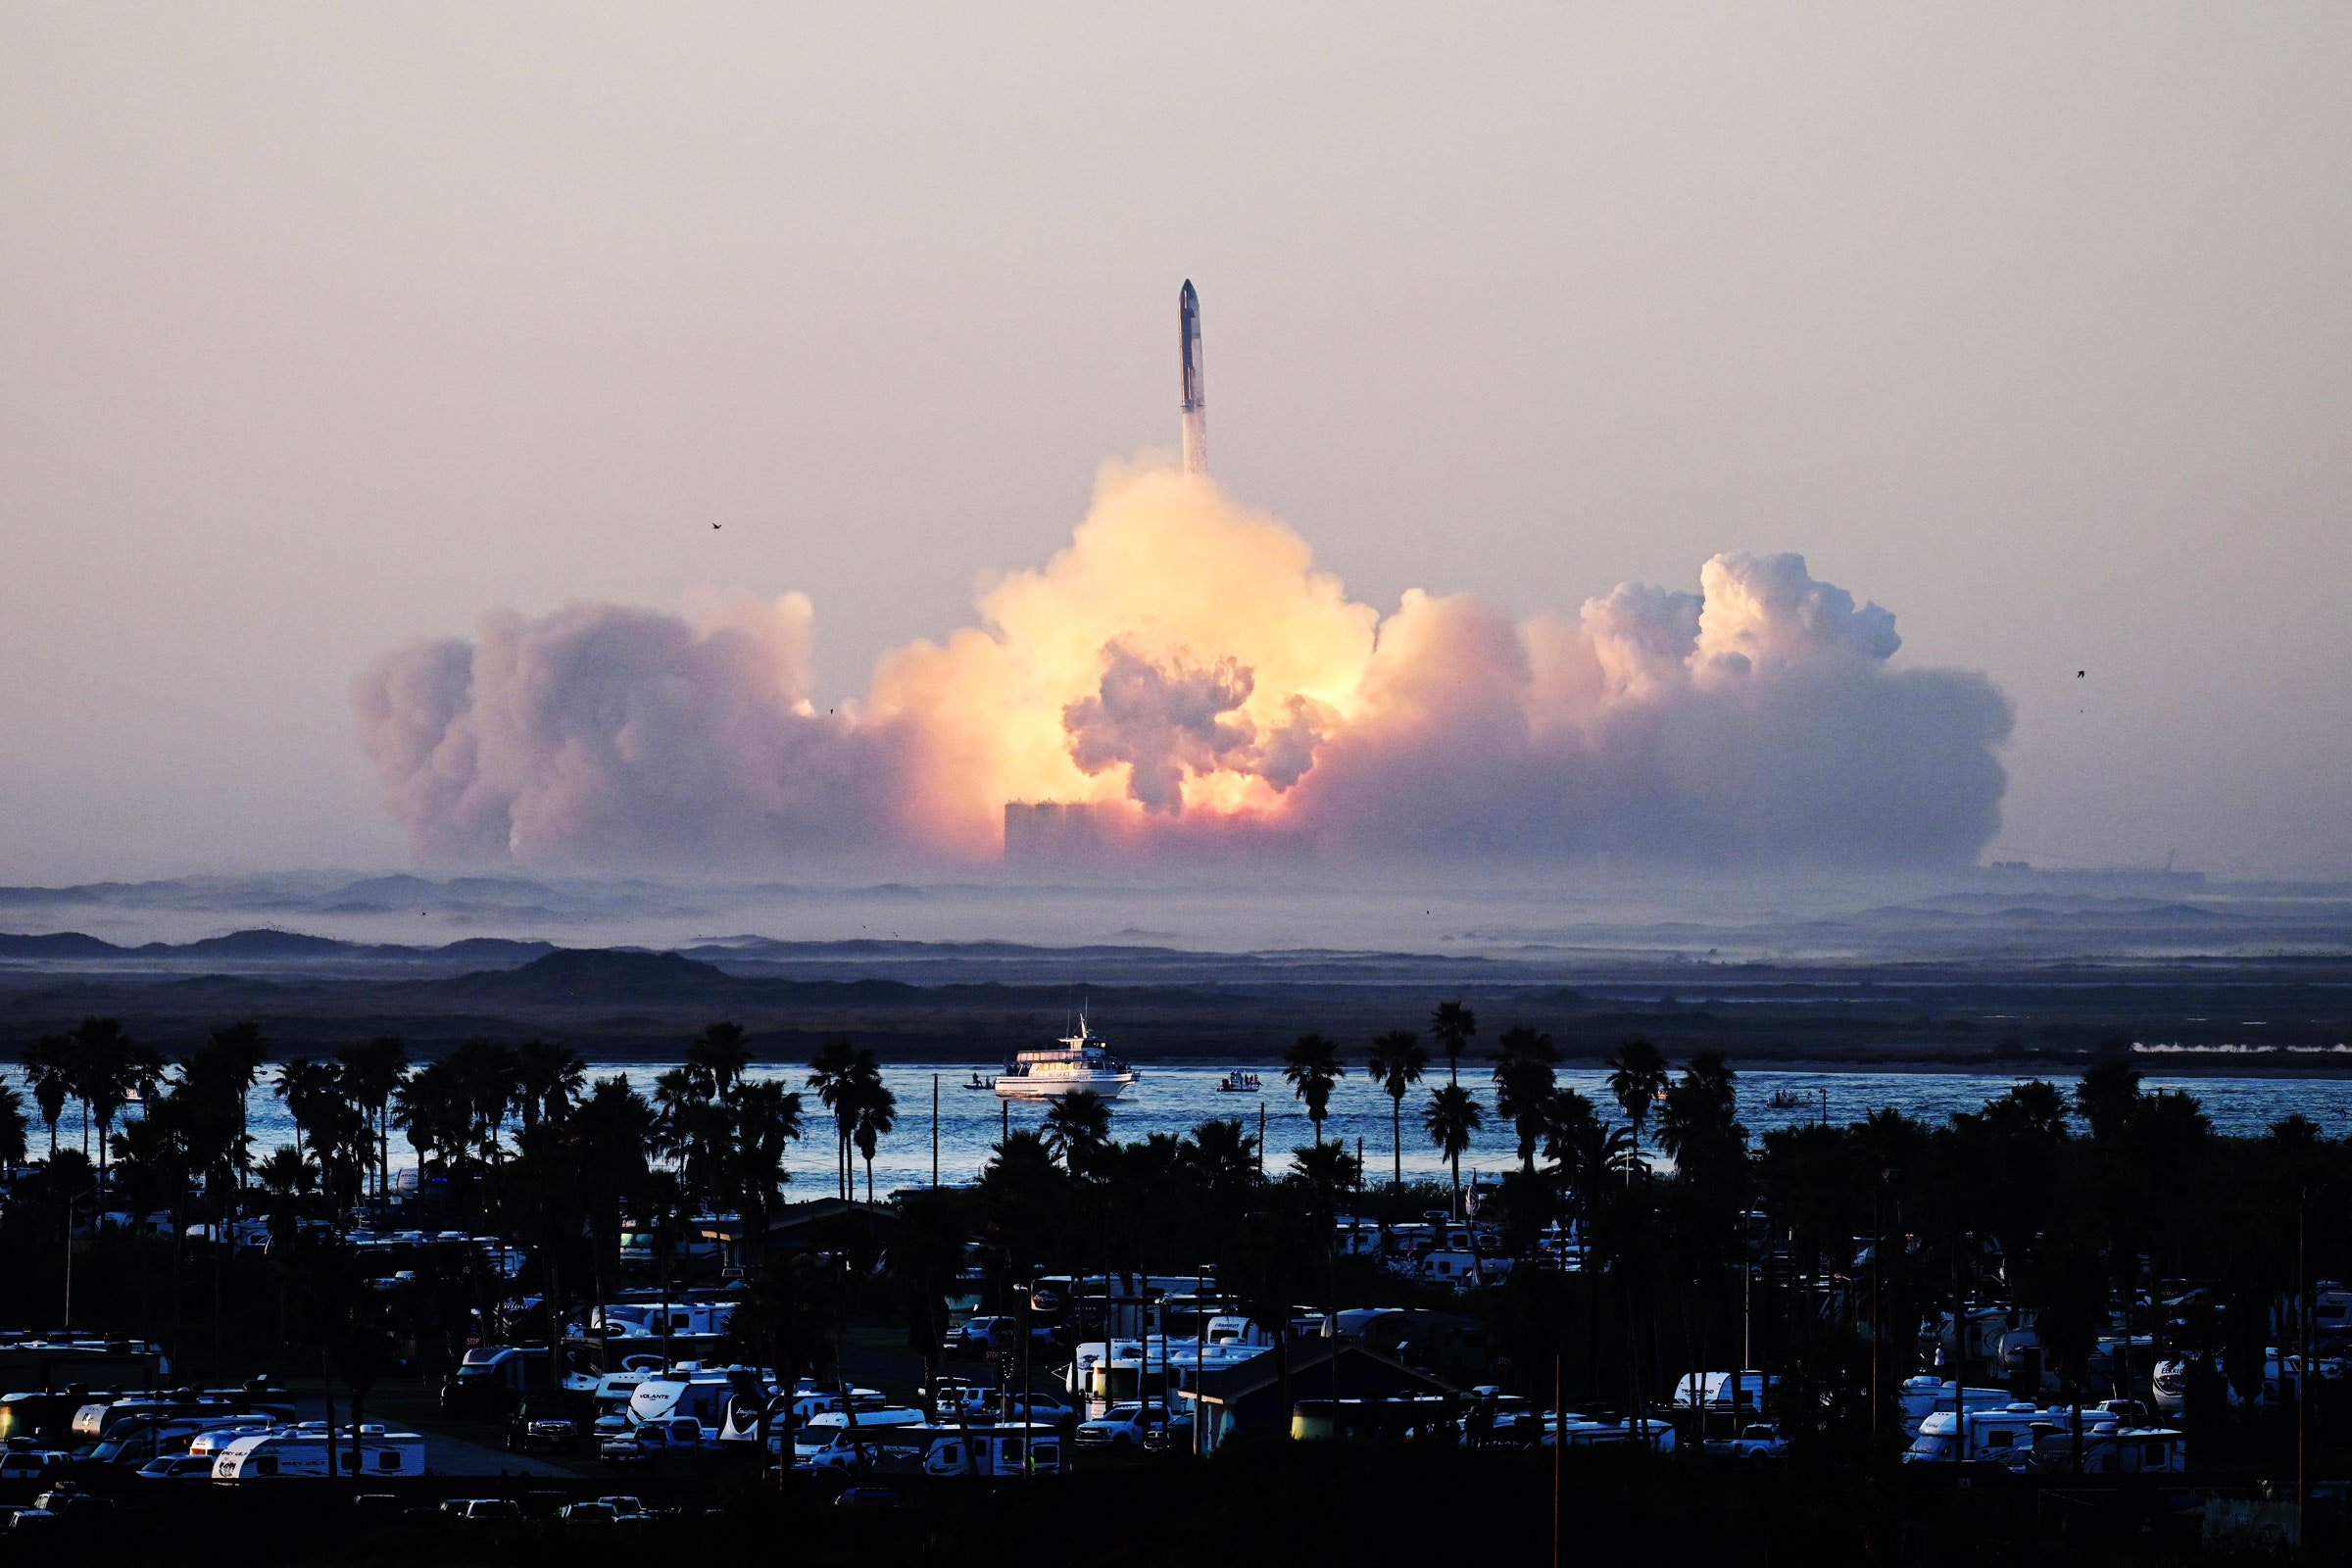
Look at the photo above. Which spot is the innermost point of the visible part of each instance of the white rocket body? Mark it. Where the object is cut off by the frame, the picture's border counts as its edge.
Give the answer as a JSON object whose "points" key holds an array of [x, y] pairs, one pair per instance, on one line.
{"points": [[1196, 386]]}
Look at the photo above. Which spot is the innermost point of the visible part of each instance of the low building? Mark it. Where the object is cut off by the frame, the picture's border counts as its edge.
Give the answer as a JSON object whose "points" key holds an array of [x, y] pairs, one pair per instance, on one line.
{"points": [[1325, 1376]]}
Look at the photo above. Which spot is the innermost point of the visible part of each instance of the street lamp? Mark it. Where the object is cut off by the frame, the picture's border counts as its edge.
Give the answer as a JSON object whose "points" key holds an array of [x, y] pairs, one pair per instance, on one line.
{"points": [[1028, 1294], [72, 1200]]}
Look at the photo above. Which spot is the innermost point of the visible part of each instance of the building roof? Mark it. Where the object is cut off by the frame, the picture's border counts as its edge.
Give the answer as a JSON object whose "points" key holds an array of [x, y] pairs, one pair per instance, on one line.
{"points": [[1360, 1370]]}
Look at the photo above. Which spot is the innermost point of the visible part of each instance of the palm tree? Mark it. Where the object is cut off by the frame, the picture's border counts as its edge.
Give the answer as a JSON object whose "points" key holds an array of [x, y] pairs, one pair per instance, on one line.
{"points": [[1396, 1063], [766, 1116], [489, 1076], [235, 1055], [1451, 1117], [1219, 1161], [313, 1091], [372, 1073], [1698, 1120], [289, 1181], [1584, 1150], [924, 1259], [12, 1125], [540, 1195], [110, 1071], [1312, 1064], [1078, 1125], [155, 1168], [787, 1310], [834, 1074], [610, 1133], [1523, 1088], [547, 1079], [876, 1112], [437, 1111], [1454, 1023], [49, 1068], [1637, 1076], [2105, 1097], [718, 1056], [1329, 1169], [1276, 1241]]}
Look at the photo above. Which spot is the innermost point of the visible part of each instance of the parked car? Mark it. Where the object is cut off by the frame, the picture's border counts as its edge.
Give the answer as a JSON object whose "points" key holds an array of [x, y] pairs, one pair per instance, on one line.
{"points": [[178, 1467], [1124, 1426], [649, 1441], [539, 1423], [483, 1509], [30, 1464], [68, 1501], [1042, 1408]]}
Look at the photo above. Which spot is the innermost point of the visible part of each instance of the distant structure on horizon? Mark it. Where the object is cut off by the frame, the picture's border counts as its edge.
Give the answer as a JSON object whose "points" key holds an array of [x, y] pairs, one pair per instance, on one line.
{"points": [[1195, 385]]}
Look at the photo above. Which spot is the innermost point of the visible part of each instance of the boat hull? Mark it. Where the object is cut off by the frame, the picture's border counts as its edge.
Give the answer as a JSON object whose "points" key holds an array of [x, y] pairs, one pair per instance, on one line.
{"points": [[1107, 1086]]}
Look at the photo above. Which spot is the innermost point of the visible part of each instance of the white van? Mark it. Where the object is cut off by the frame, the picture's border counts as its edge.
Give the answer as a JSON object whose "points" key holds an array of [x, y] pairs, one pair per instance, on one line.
{"points": [[292, 1451]]}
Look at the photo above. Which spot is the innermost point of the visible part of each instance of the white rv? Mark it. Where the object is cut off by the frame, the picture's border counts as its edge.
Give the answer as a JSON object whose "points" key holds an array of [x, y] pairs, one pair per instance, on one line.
{"points": [[294, 1451]]}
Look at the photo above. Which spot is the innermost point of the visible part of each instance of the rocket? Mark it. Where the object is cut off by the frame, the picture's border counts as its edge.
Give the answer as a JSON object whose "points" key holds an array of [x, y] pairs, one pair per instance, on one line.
{"points": [[1196, 386]]}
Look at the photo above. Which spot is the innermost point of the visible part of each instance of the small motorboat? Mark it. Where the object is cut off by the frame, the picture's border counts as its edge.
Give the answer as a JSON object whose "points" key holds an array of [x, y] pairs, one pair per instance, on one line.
{"points": [[1238, 1081], [981, 1081], [1788, 1099]]}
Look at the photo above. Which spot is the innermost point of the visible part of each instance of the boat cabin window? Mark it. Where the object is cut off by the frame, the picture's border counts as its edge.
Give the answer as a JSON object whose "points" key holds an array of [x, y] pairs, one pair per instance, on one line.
{"points": [[1999, 1440]]}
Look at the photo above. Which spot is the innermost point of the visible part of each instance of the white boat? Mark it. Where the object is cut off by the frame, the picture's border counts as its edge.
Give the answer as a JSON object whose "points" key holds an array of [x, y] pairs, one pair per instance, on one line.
{"points": [[1081, 1062], [1238, 1081]]}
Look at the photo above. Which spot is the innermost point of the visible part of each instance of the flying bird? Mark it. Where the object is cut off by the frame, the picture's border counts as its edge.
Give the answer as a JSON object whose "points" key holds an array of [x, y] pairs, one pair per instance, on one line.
{"points": [[714, 528], [2078, 674]]}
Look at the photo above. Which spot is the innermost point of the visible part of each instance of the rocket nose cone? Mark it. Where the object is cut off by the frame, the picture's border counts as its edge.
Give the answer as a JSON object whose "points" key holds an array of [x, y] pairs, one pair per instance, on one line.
{"points": [[1186, 295]]}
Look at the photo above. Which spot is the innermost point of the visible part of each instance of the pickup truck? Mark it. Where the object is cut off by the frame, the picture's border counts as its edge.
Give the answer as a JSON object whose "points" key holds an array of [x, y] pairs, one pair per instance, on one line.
{"points": [[671, 1438], [1125, 1426], [541, 1424]]}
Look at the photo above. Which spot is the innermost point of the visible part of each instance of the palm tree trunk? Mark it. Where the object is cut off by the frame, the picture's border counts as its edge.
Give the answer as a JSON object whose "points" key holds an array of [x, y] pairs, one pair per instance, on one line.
{"points": [[1396, 1139], [180, 1230], [220, 1242]]}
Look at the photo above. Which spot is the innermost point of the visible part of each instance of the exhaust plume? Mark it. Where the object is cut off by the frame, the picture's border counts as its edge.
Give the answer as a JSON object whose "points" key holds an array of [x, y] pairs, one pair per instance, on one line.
{"points": [[1182, 674]]}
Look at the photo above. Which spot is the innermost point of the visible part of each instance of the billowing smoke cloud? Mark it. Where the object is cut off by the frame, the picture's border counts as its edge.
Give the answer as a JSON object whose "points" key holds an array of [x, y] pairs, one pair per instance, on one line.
{"points": [[603, 734], [1183, 669]]}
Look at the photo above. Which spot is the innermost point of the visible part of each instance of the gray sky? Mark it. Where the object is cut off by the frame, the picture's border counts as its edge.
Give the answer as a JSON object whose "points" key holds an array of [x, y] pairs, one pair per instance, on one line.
{"points": [[321, 328]]}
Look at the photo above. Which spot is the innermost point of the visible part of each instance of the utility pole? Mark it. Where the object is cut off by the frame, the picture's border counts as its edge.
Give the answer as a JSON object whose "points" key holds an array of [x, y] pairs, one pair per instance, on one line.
{"points": [[935, 1129], [2303, 1305]]}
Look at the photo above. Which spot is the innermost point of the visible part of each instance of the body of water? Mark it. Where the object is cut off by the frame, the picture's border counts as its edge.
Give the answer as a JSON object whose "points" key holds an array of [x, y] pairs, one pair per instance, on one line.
{"points": [[1176, 1099]]}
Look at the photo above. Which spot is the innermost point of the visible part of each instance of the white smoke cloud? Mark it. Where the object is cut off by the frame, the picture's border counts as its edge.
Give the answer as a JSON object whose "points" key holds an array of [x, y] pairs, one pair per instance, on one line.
{"points": [[603, 734], [1183, 669]]}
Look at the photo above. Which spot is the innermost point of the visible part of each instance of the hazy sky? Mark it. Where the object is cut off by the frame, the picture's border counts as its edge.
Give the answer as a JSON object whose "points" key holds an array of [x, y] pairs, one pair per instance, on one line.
{"points": [[322, 328]]}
